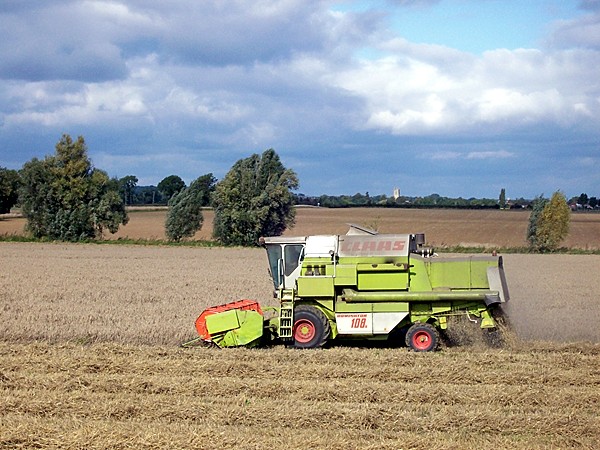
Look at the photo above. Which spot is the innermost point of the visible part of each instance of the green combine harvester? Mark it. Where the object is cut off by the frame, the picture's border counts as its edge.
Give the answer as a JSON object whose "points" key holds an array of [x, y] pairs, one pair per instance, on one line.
{"points": [[361, 285]]}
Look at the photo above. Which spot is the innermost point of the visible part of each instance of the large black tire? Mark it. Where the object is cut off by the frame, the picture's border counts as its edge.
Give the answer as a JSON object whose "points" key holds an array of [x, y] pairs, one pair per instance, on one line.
{"points": [[397, 338], [422, 337], [311, 327]]}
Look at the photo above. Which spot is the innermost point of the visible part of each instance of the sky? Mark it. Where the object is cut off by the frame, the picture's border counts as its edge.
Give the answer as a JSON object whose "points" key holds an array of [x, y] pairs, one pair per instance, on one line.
{"points": [[455, 97]]}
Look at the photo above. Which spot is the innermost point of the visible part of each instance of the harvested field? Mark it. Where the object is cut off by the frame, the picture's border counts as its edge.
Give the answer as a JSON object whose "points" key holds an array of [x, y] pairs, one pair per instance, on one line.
{"points": [[121, 396], [128, 294], [151, 295], [443, 227], [89, 359]]}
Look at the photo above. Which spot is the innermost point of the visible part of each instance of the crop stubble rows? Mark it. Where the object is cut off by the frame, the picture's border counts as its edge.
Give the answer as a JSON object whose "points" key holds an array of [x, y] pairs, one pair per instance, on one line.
{"points": [[115, 396]]}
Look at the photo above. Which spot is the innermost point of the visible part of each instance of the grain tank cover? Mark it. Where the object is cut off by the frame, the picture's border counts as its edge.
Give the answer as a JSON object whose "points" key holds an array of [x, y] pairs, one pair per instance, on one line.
{"points": [[320, 246], [376, 245]]}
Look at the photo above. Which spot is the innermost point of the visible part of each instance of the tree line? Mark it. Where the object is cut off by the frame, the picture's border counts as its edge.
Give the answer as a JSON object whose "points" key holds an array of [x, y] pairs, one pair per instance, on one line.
{"points": [[358, 200], [64, 197], [584, 202], [384, 201]]}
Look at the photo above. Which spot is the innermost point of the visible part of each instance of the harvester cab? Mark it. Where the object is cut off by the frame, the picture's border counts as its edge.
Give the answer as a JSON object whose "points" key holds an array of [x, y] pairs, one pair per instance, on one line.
{"points": [[285, 259], [361, 285], [285, 254]]}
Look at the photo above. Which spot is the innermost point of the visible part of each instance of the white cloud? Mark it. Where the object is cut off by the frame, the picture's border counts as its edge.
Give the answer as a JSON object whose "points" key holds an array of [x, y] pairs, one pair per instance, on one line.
{"points": [[447, 155], [443, 155], [118, 12], [186, 103], [412, 89], [580, 32], [496, 104], [500, 154], [216, 78], [409, 94]]}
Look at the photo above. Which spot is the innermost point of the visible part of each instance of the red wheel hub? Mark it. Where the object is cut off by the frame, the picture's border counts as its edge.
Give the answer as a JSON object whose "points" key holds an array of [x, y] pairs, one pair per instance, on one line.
{"points": [[304, 331], [421, 340]]}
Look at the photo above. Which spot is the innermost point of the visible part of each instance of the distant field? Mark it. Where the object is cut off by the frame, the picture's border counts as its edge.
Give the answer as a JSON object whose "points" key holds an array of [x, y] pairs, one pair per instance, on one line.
{"points": [[443, 227]]}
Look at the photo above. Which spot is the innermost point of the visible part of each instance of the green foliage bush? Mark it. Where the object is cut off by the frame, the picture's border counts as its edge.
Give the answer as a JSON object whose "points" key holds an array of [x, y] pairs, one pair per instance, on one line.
{"points": [[254, 199], [185, 217], [9, 189], [548, 223], [64, 198], [169, 186]]}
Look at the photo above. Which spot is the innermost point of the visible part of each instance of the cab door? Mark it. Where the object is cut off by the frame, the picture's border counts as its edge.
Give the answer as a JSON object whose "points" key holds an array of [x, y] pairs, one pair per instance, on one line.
{"points": [[285, 262], [292, 263]]}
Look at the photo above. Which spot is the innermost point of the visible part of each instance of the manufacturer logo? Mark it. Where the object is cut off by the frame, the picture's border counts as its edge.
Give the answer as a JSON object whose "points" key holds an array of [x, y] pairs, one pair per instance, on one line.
{"points": [[356, 246]]}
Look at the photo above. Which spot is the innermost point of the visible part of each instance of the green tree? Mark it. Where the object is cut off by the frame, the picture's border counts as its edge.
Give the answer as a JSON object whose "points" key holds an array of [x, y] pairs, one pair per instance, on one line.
{"points": [[254, 199], [146, 195], [548, 222], [64, 198], [502, 199], [185, 217], [583, 199], [169, 186], [553, 224], [127, 188], [537, 207], [9, 189], [206, 185]]}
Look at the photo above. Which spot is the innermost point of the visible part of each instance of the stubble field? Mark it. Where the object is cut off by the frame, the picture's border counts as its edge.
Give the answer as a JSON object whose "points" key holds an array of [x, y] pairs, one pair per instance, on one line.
{"points": [[89, 356]]}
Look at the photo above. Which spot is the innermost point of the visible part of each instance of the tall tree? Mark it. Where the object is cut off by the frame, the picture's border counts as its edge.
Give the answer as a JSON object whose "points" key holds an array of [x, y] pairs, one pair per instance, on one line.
{"points": [[65, 198], [537, 207], [9, 189], [185, 217], [553, 223], [127, 188], [502, 199], [206, 185], [254, 199], [548, 223], [169, 186]]}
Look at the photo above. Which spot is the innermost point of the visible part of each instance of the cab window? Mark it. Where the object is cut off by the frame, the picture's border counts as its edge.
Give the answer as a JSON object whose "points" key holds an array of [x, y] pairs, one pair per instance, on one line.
{"points": [[274, 255], [293, 257]]}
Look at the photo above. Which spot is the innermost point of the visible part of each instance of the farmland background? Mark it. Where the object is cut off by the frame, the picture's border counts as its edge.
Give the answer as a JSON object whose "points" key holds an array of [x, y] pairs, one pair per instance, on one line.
{"points": [[443, 227], [89, 353]]}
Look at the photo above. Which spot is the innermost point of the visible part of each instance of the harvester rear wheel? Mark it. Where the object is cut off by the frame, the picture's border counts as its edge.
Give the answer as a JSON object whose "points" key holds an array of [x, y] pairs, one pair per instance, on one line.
{"points": [[422, 337], [311, 327]]}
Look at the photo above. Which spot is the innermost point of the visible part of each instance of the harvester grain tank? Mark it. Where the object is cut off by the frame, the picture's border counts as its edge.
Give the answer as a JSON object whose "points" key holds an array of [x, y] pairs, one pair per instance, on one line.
{"points": [[361, 285]]}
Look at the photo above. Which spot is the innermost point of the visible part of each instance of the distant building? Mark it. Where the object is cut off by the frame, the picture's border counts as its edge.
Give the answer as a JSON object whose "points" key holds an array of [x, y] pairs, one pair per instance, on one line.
{"points": [[396, 193]]}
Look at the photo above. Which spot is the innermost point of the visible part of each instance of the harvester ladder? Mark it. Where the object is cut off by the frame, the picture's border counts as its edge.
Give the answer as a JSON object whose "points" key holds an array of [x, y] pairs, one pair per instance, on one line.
{"points": [[286, 320]]}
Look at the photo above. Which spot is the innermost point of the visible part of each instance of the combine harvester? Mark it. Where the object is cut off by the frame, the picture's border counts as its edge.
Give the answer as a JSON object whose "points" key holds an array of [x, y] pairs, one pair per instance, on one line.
{"points": [[361, 285]]}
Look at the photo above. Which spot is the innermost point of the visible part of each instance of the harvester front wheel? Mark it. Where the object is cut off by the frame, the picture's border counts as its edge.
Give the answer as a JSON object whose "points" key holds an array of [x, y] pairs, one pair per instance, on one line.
{"points": [[311, 327], [422, 337]]}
